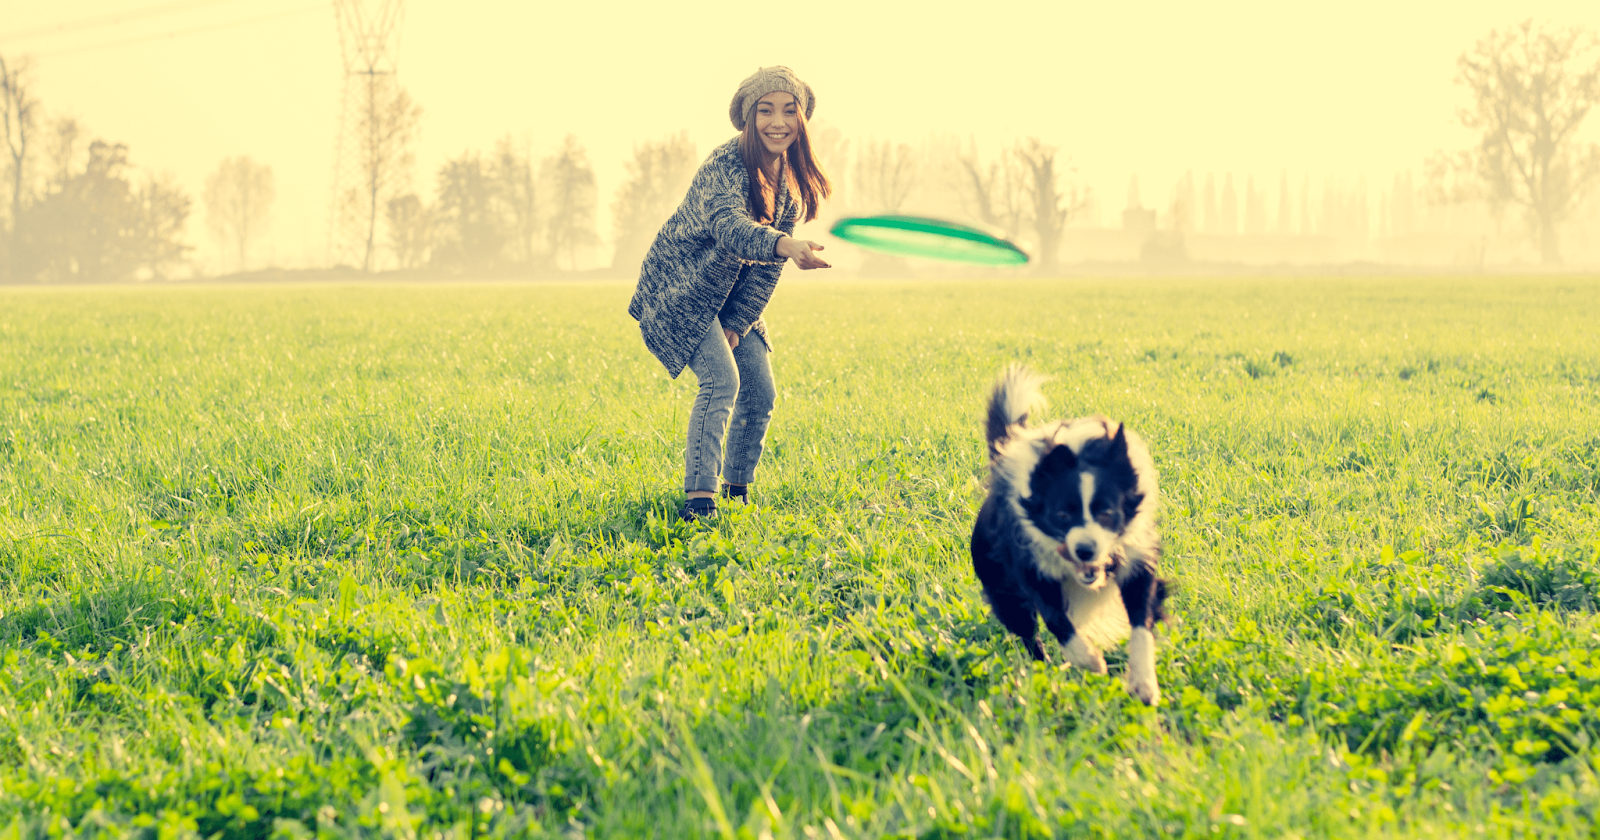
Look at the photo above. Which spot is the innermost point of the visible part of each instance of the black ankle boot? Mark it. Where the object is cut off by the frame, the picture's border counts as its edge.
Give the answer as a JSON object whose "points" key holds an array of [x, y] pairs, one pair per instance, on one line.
{"points": [[736, 491], [696, 509]]}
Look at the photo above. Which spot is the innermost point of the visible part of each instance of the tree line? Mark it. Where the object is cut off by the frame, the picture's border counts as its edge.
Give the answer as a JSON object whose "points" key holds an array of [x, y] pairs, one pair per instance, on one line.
{"points": [[76, 209], [1529, 86], [501, 210], [498, 210]]}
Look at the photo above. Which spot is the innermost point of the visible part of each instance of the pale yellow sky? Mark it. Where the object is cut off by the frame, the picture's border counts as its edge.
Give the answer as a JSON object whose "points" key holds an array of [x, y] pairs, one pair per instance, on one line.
{"points": [[1351, 89]]}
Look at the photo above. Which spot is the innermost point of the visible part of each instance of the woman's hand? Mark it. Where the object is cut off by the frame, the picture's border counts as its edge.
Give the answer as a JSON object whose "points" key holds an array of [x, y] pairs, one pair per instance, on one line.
{"points": [[733, 338], [800, 250]]}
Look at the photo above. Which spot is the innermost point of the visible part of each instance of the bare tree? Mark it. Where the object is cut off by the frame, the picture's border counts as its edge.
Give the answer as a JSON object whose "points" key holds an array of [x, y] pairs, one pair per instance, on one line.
{"points": [[239, 196], [517, 199], [1053, 197], [18, 116], [657, 178], [62, 145], [410, 229], [162, 209], [1532, 87], [884, 176], [470, 232], [571, 191], [386, 126], [483, 219], [995, 193]]}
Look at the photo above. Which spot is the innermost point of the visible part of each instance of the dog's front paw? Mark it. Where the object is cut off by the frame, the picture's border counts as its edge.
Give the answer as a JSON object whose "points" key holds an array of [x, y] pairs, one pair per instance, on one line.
{"points": [[1145, 689], [1081, 654], [1142, 667]]}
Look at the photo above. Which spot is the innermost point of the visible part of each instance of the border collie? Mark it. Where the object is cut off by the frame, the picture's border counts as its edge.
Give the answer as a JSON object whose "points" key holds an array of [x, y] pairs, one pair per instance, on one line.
{"points": [[1068, 533]]}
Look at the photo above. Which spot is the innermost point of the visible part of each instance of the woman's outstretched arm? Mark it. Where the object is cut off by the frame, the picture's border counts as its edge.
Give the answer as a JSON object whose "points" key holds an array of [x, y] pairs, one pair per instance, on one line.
{"points": [[728, 218]]}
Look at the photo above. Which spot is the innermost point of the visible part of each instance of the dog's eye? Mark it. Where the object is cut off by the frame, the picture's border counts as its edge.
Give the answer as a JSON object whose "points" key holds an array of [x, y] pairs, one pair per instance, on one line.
{"points": [[1061, 516]]}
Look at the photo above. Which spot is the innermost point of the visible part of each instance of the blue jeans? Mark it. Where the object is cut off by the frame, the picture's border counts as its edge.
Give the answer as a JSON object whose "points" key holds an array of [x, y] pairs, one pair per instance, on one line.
{"points": [[734, 382]]}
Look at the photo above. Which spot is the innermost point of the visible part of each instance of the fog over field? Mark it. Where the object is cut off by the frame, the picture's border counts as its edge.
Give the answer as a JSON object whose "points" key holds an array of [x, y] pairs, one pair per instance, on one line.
{"points": [[1260, 133]]}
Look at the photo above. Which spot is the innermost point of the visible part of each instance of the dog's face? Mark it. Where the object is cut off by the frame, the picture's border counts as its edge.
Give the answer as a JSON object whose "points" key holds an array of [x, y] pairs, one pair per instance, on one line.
{"points": [[1084, 501]]}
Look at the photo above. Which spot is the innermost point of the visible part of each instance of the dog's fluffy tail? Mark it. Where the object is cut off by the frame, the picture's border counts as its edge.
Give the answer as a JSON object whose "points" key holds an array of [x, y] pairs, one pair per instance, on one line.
{"points": [[1015, 397]]}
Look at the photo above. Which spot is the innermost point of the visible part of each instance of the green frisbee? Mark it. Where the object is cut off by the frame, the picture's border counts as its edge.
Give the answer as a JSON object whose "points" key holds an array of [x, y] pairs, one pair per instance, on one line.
{"points": [[917, 236]]}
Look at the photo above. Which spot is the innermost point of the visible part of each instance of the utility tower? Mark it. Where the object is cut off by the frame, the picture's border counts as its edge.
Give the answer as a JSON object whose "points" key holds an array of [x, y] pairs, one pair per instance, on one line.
{"points": [[369, 39]]}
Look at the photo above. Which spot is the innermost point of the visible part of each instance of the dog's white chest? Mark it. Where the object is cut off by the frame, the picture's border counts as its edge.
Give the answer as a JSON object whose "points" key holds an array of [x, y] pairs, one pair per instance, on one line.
{"points": [[1097, 614]]}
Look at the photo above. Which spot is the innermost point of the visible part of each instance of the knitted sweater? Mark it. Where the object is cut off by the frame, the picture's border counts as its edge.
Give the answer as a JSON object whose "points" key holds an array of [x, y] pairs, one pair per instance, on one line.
{"points": [[710, 260]]}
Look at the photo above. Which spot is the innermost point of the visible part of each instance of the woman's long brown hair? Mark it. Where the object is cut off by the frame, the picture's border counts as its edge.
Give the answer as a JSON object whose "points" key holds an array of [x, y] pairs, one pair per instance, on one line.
{"points": [[804, 174]]}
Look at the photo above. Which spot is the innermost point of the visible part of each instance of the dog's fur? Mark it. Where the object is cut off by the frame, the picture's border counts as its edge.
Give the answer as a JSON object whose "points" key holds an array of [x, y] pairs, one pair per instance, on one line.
{"points": [[1068, 533]]}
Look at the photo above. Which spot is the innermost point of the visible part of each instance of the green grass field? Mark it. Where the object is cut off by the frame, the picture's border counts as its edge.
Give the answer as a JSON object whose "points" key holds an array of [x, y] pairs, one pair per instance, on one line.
{"points": [[402, 560]]}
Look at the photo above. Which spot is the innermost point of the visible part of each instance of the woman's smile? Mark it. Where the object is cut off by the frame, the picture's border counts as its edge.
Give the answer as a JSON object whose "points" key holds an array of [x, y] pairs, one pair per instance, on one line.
{"points": [[777, 117]]}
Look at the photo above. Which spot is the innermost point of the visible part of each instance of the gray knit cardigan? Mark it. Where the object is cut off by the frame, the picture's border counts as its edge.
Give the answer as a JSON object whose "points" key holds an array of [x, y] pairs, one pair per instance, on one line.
{"points": [[710, 260]]}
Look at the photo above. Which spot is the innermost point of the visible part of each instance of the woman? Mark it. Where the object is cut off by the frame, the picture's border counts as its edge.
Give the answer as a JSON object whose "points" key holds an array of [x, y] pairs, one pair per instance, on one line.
{"points": [[712, 268]]}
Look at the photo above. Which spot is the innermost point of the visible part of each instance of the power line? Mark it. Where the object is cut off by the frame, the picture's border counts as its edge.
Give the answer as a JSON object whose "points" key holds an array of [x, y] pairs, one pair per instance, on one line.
{"points": [[68, 27], [178, 33]]}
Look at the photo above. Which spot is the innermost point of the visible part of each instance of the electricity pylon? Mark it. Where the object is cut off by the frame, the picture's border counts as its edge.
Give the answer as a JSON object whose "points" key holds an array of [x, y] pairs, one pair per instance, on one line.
{"points": [[369, 40]]}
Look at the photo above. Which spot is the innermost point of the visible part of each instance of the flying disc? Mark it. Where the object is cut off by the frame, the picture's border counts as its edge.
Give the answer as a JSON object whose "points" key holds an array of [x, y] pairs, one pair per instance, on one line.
{"points": [[917, 236]]}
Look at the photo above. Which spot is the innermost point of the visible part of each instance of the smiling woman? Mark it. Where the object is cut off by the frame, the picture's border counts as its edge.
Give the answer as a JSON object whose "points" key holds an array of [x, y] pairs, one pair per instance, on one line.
{"points": [[707, 279]]}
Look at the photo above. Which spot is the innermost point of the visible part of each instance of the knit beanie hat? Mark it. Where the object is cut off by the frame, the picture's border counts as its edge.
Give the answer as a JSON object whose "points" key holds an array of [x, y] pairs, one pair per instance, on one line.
{"points": [[764, 81]]}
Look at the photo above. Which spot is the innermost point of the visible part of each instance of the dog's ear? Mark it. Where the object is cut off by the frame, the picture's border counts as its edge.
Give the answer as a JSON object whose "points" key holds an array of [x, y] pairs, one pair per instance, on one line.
{"points": [[1121, 467], [1119, 445], [1057, 463]]}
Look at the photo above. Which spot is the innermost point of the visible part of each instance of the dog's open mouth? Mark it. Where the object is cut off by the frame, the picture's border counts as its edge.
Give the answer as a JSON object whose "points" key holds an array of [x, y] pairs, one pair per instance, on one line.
{"points": [[1090, 575], [1093, 573]]}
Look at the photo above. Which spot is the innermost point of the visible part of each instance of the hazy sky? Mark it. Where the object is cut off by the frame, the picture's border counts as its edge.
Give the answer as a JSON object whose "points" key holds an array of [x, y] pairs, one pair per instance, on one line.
{"points": [[1350, 89]]}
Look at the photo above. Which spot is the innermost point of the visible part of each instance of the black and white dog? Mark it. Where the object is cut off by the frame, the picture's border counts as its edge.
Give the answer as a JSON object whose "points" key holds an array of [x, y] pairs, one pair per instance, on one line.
{"points": [[1068, 533]]}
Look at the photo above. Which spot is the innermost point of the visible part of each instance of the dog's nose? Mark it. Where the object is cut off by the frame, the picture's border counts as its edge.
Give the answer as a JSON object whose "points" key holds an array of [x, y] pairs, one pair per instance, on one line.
{"points": [[1085, 551]]}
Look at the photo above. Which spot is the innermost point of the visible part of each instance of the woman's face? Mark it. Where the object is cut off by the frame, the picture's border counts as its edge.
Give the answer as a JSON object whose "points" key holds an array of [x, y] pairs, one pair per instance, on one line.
{"points": [[777, 121]]}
